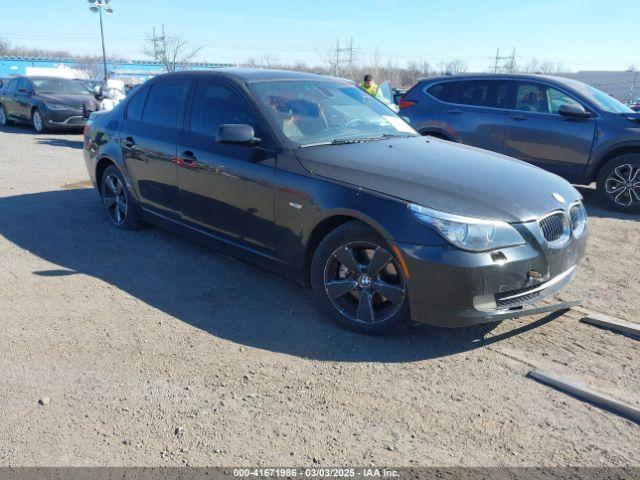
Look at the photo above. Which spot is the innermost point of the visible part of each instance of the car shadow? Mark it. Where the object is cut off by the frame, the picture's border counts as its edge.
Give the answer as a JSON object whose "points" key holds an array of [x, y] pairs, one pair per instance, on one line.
{"points": [[597, 208], [210, 291], [24, 129], [60, 142]]}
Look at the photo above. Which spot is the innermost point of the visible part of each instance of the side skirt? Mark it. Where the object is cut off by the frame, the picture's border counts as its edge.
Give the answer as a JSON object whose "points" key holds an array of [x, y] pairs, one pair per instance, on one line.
{"points": [[228, 247]]}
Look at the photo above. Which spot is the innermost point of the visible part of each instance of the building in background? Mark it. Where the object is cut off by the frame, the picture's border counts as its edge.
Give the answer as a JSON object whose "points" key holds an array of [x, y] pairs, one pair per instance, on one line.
{"points": [[622, 85], [135, 71]]}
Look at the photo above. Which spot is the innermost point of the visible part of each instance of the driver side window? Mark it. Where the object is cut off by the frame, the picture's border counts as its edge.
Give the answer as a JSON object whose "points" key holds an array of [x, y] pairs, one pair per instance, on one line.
{"points": [[558, 98], [24, 87], [215, 104], [538, 98]]}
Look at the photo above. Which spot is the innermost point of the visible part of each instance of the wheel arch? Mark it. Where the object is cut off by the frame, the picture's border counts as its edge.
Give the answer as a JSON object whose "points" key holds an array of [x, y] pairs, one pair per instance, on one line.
{"points": [[328, 224], [101, 165], [437, 133], [612, 153]]}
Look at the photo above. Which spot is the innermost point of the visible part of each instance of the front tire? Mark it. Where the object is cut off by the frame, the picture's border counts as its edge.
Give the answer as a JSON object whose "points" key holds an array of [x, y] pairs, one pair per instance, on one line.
{"points": [[118, 203], [619, 183], [356, 280], [37, 119]]}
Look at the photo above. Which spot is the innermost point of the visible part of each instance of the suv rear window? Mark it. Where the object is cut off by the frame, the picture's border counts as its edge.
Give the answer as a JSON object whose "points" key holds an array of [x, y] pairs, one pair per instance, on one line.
{"points": [[442, 91], [483, 93]]}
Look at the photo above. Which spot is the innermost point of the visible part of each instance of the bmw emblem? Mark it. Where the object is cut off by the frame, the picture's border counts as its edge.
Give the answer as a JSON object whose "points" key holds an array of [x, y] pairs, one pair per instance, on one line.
{"points": [[559, 197]]}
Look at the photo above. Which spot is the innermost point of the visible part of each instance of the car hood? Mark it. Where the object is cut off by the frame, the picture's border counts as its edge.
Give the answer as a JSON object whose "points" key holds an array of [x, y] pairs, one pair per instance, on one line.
{"points": [[73, 100], [443, 176]]}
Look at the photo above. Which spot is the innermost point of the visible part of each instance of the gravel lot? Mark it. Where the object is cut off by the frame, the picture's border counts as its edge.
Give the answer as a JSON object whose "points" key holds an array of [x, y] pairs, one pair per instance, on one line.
{"points": [[141, 348]]}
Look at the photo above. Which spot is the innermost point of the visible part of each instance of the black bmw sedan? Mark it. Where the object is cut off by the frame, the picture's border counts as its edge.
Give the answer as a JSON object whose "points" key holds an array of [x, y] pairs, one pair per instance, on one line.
{"points": [[314, 178], [46, 103]]}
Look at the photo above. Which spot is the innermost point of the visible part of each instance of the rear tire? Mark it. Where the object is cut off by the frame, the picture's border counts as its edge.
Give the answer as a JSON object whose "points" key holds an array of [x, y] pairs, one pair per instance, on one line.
{"points": [[118, 203], [618, 183], [4, 120], [356, 280]]}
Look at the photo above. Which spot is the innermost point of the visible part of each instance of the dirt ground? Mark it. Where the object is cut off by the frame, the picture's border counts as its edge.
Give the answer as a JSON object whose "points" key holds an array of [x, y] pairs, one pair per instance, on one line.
{"points": [[141, 348]]}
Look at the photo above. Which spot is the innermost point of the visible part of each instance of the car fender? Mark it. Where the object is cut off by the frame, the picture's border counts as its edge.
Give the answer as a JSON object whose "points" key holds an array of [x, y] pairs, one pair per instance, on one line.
{"points": [[606, 152]]}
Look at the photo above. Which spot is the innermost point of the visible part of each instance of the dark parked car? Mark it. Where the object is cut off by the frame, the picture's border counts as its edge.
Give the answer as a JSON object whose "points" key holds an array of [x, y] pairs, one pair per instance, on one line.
{"points": [[46, 103], [561, 125], [92, 86], [318, 180]]}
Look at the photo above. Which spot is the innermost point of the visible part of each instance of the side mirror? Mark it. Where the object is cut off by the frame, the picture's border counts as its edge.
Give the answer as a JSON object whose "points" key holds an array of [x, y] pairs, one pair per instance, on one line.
{"points": [[573, 110], [237, 133]]}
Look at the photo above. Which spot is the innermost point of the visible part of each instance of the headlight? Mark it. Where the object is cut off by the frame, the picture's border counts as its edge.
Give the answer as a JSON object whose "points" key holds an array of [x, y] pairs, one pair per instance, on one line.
{"points": [[578, 216], [474, 234], [58, 106]]}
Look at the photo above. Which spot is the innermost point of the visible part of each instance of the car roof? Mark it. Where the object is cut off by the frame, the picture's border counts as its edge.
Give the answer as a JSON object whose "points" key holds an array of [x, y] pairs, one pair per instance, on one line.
{"points": [[248, 75], [502, 76], [43, 77]]}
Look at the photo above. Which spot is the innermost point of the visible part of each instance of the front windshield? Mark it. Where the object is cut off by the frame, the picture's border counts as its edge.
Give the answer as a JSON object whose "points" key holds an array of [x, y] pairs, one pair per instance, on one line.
{"points": [[58, 85], [315, 111], [599, 98]]}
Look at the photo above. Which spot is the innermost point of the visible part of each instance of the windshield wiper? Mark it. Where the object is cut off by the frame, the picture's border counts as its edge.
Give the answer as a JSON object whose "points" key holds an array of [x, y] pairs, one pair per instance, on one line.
{"points": [[349, 140], [341, 141]]}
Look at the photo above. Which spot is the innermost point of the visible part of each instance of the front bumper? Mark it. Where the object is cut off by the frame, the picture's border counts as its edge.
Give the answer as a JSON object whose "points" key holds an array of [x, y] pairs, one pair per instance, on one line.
{"points": [[450, 287], [65, 118]]}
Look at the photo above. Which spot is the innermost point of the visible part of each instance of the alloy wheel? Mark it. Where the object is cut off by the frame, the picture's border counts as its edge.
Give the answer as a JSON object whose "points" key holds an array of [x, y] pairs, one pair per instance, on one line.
{"points": [[364, 283], [3, 116], [115, 199], [623, 185], [38, 123]]}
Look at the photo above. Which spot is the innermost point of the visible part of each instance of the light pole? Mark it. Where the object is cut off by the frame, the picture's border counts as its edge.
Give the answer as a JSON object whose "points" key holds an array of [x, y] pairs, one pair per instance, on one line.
{"points": [[97, 6]]}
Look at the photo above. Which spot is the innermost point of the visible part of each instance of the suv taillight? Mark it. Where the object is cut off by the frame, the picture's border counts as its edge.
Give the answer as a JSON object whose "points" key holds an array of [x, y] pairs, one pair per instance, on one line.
{"points": [[406, 104]]}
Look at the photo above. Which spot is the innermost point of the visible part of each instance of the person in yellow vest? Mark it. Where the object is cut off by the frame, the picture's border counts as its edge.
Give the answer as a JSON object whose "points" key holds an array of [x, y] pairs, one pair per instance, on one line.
{"points": [[369, 86]]}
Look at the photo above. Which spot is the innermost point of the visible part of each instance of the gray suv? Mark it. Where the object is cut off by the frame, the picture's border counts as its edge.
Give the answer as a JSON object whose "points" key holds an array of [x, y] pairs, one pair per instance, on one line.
{"points": [[561, 125]]}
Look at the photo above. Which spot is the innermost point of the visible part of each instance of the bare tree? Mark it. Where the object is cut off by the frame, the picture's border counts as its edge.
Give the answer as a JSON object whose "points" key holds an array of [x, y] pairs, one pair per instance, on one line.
{"points": [[268, 61], [452, 67], [5, 46], [533, 66], [172, 51]]}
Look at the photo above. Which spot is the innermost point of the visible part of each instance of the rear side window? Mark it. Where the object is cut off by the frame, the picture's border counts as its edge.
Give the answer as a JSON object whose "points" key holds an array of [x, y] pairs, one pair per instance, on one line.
{"points": [[135, 106], [443, 91], [13, 85], [483, 93], [165, 103]]}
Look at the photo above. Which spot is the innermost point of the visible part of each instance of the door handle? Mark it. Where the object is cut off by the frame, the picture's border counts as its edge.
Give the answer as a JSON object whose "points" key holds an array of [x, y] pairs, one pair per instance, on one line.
{"points": [[455, 111], [519, 118], [128, 142]]}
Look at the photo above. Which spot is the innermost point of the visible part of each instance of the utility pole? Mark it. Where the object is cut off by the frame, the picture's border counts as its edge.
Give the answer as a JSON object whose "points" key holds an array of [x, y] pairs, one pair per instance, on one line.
{"points": [[351, 72], [344, 61], [510, 62], [633, 85], [104, 52], [97, 6]]}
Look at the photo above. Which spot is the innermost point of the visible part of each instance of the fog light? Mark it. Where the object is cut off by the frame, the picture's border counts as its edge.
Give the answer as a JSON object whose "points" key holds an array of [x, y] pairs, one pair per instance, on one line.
{"points": [[485, 302]]}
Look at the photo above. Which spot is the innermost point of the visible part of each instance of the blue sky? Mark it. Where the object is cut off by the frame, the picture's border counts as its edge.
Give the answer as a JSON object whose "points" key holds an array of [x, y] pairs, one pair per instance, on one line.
{"points": [[581, 34]]}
